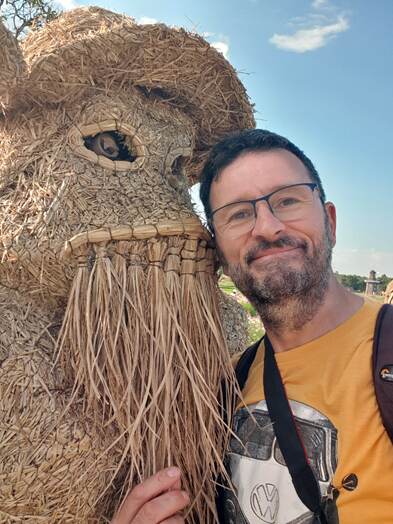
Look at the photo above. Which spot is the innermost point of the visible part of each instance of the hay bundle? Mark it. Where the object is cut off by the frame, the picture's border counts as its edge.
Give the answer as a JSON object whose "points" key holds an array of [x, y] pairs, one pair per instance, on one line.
{"points": [[389, 293], [12, 65], [110, 339], [143, 349]]}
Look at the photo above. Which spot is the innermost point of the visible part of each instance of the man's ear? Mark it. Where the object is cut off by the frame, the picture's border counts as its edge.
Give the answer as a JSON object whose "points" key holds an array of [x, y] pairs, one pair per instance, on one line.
{"points": [[331, 216], [12, 66]]}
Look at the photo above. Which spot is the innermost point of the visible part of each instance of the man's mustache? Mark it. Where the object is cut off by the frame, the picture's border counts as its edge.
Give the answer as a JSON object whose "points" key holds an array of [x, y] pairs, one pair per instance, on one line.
{"points": [[265, 245]]}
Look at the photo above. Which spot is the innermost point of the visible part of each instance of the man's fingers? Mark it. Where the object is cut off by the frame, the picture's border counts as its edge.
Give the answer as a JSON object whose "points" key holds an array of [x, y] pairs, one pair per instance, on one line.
{"points": [[176, 485], [149, 489], [162, 508], [177, 519]]}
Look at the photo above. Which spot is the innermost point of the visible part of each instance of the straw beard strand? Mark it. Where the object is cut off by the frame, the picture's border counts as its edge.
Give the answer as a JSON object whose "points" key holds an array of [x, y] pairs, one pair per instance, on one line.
{"points": [[145, 354]]}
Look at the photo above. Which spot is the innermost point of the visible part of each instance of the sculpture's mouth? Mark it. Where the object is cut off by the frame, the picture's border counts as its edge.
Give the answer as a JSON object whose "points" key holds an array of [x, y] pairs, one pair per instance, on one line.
{"points": [[183, 246], [190, 228], [142, 346], [132, 244]]}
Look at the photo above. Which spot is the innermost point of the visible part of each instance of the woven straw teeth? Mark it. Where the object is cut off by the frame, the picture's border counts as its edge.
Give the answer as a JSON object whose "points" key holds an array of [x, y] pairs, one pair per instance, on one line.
{"points": [[191, 227]]}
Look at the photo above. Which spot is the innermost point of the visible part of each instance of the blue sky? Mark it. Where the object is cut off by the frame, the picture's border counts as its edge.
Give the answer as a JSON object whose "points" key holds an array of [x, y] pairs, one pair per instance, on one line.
{"points": [[321, 73]]}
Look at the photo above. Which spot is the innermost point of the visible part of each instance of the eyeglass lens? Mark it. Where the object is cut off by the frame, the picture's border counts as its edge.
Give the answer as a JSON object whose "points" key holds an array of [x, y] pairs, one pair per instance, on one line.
{"points": [[288, 203]]}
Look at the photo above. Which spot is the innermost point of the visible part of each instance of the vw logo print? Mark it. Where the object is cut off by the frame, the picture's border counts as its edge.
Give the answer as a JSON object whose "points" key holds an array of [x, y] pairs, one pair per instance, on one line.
{"points": [[265, 502]]}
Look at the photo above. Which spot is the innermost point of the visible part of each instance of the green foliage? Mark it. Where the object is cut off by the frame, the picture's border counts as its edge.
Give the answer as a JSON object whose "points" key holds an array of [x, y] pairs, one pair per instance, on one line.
{"points": [[357, 282], [22, 15], [226, 285], [250, 309], [384, 279], [255, 331], [354, 282]]}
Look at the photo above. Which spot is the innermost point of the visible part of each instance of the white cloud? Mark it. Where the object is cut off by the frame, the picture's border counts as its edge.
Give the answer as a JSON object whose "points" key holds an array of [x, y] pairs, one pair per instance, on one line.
{"points": [[312, 38], [317, 4], [146, 20], [67, 4], [222, 47]]}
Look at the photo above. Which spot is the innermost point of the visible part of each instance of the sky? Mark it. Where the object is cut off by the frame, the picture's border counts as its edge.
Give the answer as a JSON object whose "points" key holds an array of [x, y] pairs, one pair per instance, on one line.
{"points": [[319, 72]]}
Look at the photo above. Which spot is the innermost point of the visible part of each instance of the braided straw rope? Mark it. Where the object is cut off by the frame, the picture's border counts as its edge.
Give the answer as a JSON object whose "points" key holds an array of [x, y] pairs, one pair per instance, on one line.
{"points": [[192, 228]]}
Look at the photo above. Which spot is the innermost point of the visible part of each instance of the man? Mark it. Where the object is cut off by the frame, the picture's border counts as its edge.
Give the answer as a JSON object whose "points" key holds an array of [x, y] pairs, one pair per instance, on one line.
{"points": [[275, 232]]}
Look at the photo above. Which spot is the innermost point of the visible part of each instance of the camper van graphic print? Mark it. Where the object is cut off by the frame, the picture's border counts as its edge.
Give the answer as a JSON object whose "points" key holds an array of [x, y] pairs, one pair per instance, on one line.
{"points": [[264, 493]]}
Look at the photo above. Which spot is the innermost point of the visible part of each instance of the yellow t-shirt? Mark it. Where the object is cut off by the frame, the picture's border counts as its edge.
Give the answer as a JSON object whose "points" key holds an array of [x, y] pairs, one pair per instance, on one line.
{"points": [[330, 387]]}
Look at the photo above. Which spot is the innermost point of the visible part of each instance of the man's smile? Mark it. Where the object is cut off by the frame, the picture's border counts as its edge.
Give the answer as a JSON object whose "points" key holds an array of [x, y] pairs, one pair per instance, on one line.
{"points": [[277, 252], [283, 248]]}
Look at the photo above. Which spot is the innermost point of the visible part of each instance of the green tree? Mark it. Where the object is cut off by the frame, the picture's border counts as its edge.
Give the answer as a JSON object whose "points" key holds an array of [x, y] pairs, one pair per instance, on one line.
{"points": [[384, 279], [22, 15], [354, 282]]}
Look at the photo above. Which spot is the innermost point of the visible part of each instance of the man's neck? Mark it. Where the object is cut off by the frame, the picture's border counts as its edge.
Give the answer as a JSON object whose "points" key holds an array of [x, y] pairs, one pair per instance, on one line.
{"points": [[338, 305]]}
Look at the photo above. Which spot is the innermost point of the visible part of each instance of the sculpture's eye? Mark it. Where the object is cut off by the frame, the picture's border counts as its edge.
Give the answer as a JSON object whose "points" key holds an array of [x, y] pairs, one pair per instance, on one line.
{"points": [[177, 166], [110, 144]]}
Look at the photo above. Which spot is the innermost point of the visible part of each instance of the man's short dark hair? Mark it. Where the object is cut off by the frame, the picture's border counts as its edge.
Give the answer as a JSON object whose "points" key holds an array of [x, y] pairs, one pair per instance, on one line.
{"points": [[231, 147]]}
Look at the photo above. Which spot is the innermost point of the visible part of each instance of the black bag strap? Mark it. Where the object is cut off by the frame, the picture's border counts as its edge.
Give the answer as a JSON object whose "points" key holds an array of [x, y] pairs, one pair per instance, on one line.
{"points": [[383, 366], [288, 437], [245, 362]]}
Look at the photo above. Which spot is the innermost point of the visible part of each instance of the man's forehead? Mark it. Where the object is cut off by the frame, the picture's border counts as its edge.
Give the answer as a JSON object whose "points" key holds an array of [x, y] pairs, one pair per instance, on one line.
{"points": [[254, 173], [265, 160]]}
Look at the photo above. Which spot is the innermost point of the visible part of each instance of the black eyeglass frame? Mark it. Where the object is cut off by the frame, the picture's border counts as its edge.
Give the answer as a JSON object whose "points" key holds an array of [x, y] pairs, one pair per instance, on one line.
{"points": [[312, 185]]}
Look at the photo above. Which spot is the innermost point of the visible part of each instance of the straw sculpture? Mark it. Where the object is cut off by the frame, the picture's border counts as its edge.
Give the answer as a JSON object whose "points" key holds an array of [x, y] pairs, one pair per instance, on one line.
{"points": [[389, 293], [233, 314], [111, 345]]}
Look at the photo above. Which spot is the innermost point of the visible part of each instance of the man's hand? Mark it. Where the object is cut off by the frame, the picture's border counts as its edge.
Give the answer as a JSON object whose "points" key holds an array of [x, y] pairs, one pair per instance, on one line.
{"points": [[157, 500]]}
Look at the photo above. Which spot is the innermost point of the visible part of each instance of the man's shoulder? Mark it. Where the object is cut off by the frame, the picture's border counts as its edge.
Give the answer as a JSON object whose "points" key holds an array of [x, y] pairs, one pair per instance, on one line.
{"points": [[371, 309]]}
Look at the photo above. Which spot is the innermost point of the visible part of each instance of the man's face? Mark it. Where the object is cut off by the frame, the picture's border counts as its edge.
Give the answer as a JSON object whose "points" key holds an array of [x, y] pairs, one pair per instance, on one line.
{"points": [[275, 259]]}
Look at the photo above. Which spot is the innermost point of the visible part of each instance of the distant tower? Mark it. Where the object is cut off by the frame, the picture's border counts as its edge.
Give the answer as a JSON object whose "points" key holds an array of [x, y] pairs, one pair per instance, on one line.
{"points": [[372, 284]]}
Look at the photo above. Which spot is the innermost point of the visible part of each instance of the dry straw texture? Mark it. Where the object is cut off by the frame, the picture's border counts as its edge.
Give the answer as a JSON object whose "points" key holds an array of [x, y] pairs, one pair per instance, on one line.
{"points": [[12, 65], [389, 293], [111, 342], [93, 50]]}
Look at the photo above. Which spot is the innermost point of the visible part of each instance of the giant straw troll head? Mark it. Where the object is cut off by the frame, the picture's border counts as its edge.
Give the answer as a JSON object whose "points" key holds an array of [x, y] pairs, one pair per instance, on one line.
{"points": [[105, 125]]}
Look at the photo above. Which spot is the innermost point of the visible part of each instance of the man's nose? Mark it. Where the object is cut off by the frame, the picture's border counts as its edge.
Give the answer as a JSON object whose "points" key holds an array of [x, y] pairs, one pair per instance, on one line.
{"points": [[266, 224]]}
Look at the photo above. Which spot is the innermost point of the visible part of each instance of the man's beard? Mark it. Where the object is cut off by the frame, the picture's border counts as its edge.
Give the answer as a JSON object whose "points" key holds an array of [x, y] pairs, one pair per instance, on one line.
{"points": [[286, 296]]}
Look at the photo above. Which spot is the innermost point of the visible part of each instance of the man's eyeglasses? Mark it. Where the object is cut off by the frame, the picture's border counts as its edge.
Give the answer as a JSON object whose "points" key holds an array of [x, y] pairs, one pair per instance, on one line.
{"points": [[287, 203]]}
